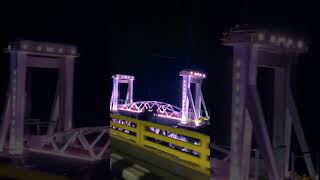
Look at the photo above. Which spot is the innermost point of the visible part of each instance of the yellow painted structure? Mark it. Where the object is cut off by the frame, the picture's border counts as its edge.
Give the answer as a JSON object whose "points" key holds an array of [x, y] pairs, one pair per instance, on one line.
{"points": [[201, 163]]}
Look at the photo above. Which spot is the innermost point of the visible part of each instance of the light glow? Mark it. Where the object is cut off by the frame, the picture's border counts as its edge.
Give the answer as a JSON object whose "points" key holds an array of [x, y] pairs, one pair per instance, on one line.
{"points": [[300, 44], [169, 117], [130, 110]]}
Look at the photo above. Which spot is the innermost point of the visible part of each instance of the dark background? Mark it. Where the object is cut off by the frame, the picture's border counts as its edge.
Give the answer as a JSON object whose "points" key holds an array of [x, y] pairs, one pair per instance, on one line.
{"points": [[154, 40]]}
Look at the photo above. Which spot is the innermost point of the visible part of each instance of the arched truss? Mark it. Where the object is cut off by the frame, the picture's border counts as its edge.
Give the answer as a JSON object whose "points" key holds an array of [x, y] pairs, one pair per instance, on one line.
{"points": [[89, 143], [163, 109]]}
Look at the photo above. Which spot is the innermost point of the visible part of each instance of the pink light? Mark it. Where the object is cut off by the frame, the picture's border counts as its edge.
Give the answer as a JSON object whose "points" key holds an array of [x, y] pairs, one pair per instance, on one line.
{"points": [[135, 111], [60, 154], [169, 117]]}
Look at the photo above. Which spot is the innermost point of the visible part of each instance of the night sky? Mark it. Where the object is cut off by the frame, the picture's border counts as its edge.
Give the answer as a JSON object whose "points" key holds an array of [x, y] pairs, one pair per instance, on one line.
{"points": [[154, 40]]}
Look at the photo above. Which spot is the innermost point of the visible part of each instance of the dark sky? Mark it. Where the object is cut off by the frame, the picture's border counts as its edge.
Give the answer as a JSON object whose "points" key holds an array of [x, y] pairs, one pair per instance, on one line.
{"points": [[154, 40]]}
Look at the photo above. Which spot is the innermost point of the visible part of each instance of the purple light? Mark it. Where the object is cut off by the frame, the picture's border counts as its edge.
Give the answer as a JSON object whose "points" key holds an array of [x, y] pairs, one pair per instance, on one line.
{"points": [[60, 154], [135, 111], [169, 117]]}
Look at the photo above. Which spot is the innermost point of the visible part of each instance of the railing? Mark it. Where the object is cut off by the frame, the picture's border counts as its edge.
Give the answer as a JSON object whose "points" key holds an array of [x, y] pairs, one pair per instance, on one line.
{"points": [[139, 133]]}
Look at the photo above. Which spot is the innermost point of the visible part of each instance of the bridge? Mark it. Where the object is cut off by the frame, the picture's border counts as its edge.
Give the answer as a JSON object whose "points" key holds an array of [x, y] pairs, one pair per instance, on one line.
{"points": [[169, 141], [21, 134], [152, 139], [154, 125]]}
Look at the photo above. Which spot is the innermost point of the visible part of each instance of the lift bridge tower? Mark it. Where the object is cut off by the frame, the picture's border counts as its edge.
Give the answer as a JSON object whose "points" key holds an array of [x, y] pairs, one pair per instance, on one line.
{"points": [[254, 48], [193, 108], [56, 135], [30, 54]]}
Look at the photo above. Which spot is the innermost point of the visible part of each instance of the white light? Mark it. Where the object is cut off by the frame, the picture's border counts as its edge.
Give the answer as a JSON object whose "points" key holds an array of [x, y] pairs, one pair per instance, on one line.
{"points": [[191, 73], [261, 36], [300, 44], [273, 38]]}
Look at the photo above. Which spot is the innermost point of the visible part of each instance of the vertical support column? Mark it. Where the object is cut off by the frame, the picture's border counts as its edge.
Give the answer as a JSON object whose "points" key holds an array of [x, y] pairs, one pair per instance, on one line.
{"points": [[279, 119], [68, 73], [287, 141], [198, 97], [18, 78], [5, 123], [246, 147], [28, 95], [300, 135], [55, 111], [185, 100], [240, 76], [115, 94], [247, 127], [129, 98]]}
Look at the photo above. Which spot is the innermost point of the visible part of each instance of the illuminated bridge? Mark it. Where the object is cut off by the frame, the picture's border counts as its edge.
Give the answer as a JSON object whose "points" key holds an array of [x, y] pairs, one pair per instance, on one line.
{"points": [[22, 135], [169, 141]]}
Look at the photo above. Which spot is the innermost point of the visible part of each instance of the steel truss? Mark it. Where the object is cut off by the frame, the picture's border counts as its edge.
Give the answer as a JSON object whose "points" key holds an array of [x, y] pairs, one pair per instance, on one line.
{"points": [[90, 143], [163, 109]]}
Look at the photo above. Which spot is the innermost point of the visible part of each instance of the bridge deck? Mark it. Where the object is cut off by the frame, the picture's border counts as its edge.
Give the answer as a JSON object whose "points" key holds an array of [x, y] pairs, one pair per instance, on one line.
{"points": [[156, 163]]}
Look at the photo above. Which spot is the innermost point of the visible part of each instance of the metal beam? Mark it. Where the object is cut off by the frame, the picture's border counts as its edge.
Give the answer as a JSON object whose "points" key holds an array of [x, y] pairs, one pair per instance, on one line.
{"points": [[300, 135], [261, 132]]}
